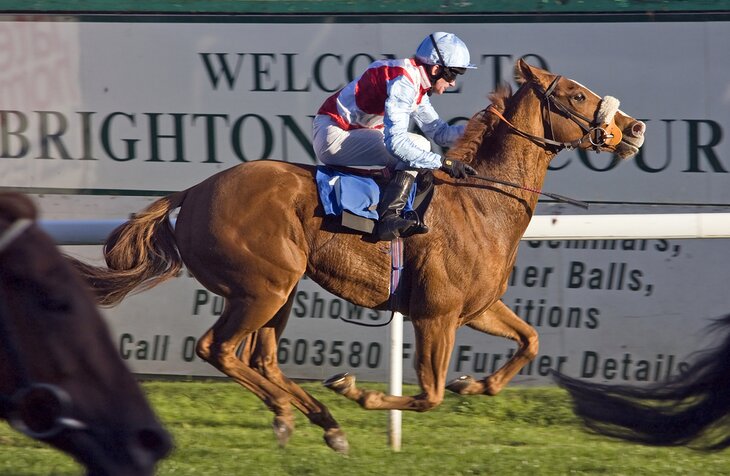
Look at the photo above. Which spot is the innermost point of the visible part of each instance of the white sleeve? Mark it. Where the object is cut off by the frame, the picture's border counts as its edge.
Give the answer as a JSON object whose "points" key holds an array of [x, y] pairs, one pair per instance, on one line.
{"points": [[434, 127], [399, 107]]}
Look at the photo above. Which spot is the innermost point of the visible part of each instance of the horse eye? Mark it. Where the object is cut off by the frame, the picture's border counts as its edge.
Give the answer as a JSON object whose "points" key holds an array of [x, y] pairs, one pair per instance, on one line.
{"points": [[580, 97]]}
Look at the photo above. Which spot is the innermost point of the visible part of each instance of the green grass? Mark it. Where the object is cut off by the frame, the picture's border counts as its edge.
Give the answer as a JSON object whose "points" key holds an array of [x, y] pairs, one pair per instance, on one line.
{"points": [[220, 429]]}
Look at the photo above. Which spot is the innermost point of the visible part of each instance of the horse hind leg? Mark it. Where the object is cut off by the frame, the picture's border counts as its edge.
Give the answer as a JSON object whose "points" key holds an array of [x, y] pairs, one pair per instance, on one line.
{"points": [[241, 318], [249, 354], [499, 320], [260, 353]]}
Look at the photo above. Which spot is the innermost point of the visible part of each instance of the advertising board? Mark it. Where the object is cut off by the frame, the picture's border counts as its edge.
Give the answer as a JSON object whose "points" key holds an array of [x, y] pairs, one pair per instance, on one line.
{"points": [[101, 115]]}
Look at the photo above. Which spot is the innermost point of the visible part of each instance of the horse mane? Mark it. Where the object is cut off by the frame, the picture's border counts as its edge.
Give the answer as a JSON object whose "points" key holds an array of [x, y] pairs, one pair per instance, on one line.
{"points": [[478, 131]]}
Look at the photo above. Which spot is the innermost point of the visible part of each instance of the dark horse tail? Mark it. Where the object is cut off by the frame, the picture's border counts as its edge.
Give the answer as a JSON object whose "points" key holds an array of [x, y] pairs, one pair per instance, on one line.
{"points": [[692, 409], [139, 254]]}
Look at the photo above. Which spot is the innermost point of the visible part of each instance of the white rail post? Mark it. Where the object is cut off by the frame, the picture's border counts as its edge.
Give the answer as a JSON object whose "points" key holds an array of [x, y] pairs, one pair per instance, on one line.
{"points": [[395, 385]]}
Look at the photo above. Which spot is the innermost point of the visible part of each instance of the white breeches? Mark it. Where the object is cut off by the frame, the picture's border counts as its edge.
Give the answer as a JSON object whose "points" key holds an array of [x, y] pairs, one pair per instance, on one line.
{"points": [[357, 147]]}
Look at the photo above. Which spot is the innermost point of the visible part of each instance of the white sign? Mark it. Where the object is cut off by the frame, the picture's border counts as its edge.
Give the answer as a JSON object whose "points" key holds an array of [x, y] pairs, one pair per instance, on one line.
{"points": [[97, 117], [161, 106]]}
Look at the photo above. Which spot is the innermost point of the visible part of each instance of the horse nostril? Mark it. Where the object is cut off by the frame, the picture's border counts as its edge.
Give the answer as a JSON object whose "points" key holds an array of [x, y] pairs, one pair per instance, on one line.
{"points": [[155, 441], [638, 128]]}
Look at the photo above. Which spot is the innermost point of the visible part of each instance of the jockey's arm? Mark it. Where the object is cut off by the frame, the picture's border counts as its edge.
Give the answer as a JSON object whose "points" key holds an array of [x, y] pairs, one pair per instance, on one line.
{"points": [[399, 107], [434, 127]]}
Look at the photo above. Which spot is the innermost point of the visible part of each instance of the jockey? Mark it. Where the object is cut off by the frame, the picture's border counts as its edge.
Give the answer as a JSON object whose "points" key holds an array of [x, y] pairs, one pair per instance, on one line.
{"points": [[366, 124]]}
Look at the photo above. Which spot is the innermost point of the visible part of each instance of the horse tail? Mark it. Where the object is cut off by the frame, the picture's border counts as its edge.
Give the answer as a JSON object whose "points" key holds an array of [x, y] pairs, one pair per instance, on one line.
{"points": [[692, 409], [139, 254]]}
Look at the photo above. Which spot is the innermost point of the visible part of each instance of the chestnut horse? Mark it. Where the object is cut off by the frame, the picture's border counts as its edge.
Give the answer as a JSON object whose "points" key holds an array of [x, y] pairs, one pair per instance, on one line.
{"points": [[251, 232], [691, 409], [61, 378]]}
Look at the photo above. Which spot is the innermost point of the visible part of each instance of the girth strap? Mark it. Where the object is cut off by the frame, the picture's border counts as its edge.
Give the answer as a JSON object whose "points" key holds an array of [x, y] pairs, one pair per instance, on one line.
{"points": [[396, 268]]}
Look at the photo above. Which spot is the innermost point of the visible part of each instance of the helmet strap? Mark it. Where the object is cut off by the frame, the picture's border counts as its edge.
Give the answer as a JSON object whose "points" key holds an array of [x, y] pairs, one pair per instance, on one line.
{"points": [[442, 63], [438, 51]]}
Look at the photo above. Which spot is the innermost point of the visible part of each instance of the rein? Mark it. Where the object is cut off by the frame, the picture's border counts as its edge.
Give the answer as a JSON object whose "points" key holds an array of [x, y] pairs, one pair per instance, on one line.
{"points": [[14, 231], [53, 401], [554, 196], [537, 139]]}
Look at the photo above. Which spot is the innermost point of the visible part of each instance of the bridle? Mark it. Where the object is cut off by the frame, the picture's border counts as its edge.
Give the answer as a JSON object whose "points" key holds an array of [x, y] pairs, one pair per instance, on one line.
{"points": [[52, 401], [600, 132]]}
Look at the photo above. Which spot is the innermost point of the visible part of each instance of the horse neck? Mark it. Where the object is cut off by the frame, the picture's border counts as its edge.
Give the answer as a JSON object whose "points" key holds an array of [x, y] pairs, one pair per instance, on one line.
{"points": [[511, 157]]}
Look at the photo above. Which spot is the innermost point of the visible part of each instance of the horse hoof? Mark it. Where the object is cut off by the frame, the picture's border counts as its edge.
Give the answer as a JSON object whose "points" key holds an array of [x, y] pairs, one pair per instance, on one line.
{"points": [[336, 439], [340, 383], [461, 385], [282, 431]]}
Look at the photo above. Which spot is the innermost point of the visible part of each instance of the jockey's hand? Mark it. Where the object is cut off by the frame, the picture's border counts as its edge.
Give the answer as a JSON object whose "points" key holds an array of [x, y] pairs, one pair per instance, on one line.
{"points": [[457, 168]]}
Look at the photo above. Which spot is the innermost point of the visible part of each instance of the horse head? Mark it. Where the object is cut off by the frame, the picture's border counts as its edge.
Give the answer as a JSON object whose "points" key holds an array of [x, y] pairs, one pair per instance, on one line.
{"points": [[61, 378], [576, 117]]}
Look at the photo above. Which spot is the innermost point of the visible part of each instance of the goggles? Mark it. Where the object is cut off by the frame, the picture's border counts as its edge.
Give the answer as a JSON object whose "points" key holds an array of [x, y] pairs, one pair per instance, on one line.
{"points": [[450, 74]]}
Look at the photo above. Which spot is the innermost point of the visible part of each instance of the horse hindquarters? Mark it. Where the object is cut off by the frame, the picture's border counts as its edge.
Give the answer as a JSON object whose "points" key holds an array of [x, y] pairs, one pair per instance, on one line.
{"points": [[240, 235]]}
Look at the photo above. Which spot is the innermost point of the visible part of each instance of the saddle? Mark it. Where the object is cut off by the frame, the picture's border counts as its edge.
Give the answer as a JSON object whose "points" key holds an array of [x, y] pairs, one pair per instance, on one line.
{"points": [[353, 193]]}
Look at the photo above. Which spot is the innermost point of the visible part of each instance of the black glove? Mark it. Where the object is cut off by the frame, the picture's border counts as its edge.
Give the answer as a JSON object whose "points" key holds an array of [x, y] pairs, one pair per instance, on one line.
{"points": [[457, 168]]}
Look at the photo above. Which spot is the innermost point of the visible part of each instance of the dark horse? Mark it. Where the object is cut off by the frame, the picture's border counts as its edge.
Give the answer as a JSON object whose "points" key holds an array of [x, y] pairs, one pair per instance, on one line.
{"points": [[251, 232], [690, 409], [61, 378]]}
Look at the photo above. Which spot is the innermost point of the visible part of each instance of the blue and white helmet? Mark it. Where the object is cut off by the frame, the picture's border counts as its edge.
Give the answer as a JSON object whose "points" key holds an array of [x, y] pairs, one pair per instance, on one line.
{"points": [[445, 49]]}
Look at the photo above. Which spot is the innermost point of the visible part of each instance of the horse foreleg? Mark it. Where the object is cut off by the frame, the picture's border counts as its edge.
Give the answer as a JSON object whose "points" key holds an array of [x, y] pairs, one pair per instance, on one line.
{"points": [[499, 320], [434, 343]]}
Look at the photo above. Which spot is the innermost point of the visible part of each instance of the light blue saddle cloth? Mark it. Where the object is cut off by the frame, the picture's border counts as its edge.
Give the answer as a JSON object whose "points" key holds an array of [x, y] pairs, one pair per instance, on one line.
{"points": [[359, 195]]}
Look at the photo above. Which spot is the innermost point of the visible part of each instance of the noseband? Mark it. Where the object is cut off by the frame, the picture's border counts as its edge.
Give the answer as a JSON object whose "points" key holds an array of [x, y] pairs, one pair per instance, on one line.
{"points": [[600, 132], [50, 401]]}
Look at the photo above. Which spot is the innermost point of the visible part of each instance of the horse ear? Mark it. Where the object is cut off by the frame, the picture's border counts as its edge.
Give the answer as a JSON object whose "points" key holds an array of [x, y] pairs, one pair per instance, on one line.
{"points": [[532, 73], [520, 70], [15, 205]]}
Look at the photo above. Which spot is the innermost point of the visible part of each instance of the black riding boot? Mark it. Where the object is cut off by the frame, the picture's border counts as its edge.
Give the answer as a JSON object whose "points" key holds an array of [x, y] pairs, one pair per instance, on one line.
{"points": [[394, 199]]}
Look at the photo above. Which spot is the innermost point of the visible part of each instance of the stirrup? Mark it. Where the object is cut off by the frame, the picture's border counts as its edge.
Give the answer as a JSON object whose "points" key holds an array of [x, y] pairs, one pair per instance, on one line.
{"points": [[392, 227], [416, 229]]}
